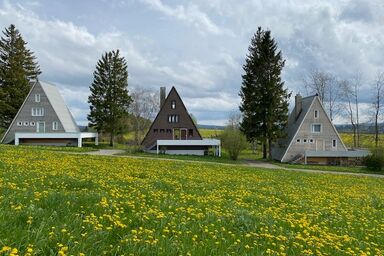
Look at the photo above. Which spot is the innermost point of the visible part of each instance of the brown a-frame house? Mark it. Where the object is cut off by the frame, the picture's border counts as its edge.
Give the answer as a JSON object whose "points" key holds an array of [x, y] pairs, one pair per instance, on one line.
{"points": [[173, 130]]}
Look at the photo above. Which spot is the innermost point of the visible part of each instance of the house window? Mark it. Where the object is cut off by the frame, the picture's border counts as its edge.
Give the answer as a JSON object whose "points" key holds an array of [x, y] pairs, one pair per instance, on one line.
{"points": [[19, 123], [26, 123], [334, 143], [55, 126], [173, 104], [173, 118], [37, 111], [155, 130], [298, 141], [162, 130], [190, 132], [304, 140], [169, 130], [316, 128], [37, 97], [32, 123], [311, 141], [316, 113]]}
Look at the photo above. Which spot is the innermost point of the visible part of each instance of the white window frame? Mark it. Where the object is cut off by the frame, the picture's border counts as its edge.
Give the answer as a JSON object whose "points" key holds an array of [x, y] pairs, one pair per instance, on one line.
{"points": [[316, 114], [55, 126], [32, 123], [26, 123], [311, 141], [173, 104], [305, 140], [37, 98], [334, 143], [37, 111], [20, 123], [38, 126], [313, 128], [298, 141]]}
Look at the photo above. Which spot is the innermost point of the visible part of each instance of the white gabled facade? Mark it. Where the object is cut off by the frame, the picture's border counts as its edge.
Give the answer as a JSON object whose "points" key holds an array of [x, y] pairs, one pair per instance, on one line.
{"points": [[43, 118]]}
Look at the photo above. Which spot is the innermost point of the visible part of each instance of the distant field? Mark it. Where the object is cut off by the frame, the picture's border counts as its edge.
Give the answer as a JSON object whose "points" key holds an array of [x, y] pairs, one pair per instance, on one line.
{"points": [[366, 140], [210, 133], [61, 204]]}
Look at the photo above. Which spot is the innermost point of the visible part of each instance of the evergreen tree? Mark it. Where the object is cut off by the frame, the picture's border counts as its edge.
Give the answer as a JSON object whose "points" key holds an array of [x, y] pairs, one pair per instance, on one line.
{"points": [[18, 67], [109, 99], [264, 100]]}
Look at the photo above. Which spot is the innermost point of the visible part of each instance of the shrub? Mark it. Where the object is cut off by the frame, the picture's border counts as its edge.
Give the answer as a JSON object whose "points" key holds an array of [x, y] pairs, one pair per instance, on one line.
{"points": [[375, 162], [234, 141]]}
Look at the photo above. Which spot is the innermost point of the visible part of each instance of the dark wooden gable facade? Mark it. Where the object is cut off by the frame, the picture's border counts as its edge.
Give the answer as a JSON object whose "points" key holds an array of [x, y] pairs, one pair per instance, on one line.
{"points": [[173, 122]]}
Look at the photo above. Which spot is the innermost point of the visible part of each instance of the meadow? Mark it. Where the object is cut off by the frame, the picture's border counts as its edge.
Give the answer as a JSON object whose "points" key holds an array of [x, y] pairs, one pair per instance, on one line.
{"points": [[57, 203]]}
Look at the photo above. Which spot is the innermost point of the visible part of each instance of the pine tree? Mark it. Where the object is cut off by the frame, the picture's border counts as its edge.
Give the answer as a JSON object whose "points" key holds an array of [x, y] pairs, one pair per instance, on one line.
{"points": [[18, 67], [109, 99], [264, 100]]}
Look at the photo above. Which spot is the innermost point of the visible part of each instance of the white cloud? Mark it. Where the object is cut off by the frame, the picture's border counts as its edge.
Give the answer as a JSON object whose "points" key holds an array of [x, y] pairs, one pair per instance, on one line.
{"points": [[190, 14]]}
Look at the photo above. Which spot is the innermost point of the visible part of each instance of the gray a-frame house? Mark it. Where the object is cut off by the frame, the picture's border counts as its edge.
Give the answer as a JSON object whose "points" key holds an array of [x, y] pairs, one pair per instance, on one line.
{"points": [[312, 137], [173, 130], [44, 119]]}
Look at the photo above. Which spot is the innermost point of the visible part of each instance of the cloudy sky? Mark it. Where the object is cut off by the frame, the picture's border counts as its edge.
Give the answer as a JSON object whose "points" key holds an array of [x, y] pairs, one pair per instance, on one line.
{"points": [[198, 46]]}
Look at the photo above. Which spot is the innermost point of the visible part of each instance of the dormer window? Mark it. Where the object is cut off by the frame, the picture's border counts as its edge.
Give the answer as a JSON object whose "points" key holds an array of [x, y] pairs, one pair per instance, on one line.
{"points": [[316, 114], [37, 97], [173, 104]]}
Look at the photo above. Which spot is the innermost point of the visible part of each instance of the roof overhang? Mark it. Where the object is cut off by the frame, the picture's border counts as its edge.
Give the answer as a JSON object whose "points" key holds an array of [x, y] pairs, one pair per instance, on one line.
{"points": [[56, 135], [349, 153], [203, 142]]}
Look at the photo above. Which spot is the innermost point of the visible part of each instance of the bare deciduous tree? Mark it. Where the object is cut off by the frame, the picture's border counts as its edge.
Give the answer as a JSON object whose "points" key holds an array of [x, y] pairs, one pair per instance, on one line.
{"points": [[348, 95], [325, 85], [378, 104], [143, 108]]}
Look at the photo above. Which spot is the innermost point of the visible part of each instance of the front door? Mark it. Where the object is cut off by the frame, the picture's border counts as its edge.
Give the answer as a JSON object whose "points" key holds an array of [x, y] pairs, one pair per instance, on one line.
{"points": [[40, 127], [183, 134], [319, 145]]}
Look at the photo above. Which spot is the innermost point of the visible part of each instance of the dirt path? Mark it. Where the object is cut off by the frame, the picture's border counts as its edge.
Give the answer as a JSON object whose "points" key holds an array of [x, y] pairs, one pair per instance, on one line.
{"points": [[249, 163]]}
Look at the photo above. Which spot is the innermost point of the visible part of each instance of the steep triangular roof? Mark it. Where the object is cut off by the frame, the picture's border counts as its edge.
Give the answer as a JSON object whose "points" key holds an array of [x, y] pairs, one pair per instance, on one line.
{"points": [[160, 121], [295, 122], [61, 109], [56, 103]]}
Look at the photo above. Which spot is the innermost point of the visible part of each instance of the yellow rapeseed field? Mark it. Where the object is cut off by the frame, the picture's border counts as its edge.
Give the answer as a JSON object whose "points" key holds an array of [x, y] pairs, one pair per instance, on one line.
{"points": [[54, 203]]}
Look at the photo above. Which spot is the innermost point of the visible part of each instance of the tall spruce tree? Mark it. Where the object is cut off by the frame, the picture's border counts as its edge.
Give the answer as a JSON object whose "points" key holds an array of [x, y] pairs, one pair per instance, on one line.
{"points": [[264, 100], [109, 99], [18, 66]]}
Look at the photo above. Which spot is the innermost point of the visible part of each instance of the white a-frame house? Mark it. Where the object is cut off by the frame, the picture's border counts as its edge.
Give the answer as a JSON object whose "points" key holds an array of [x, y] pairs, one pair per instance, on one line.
{"points": [[44, 119], [311, 137]]}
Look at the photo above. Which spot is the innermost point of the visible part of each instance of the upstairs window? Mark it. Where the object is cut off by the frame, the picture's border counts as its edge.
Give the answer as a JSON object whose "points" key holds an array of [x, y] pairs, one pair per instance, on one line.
{"points": [[173, 118], [173, 104], [298, 141], [316, 128], [19, 123], [37, 97], [55, 126], [37, 111], [190, 132], [334, 143], [316, 114]]}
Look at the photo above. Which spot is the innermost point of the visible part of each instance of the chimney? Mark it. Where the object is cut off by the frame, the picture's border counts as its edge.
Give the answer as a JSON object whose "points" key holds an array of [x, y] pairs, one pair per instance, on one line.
{"points": [[162, 96], [298, 105]]}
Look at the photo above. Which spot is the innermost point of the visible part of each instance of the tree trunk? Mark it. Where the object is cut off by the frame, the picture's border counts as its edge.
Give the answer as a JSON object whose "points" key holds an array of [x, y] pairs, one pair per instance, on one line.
{"points": [[264, 149], [112, 139], [357, 120], [270, 149]]}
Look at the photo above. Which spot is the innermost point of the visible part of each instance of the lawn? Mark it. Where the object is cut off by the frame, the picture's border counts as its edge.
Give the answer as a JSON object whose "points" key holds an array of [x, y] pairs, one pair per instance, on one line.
{"points": [[58, 203]]}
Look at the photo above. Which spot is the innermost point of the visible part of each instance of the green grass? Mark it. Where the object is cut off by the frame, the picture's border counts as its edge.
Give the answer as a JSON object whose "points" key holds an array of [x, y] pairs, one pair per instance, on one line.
{"points": [[57, 203]]}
